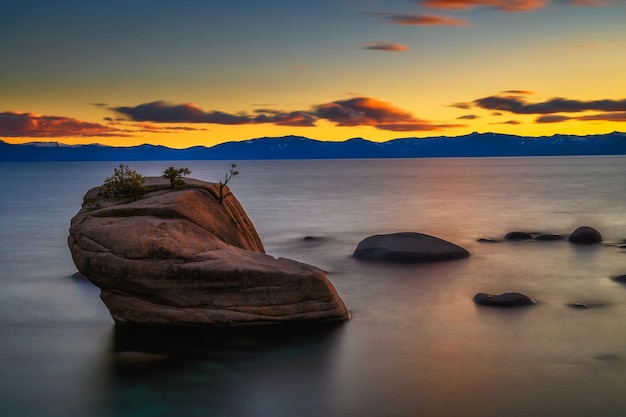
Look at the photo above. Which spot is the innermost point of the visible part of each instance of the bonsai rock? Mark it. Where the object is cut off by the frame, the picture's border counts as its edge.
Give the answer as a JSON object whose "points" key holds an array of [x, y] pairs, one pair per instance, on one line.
{"points": [[179, 256]]}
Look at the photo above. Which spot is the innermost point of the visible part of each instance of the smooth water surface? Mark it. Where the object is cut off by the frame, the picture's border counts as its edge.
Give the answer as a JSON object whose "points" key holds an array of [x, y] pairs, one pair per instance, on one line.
{"points": [[417, 345]]}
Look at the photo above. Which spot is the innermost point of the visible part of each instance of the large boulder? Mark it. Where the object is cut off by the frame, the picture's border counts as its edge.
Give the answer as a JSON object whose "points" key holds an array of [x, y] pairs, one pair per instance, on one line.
{"points": [[585, 235], [180, 257], [407, 247]]}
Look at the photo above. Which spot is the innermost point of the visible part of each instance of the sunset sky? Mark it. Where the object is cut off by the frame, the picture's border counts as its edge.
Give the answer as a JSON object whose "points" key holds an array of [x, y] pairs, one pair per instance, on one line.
{"points": [[191, 72]]}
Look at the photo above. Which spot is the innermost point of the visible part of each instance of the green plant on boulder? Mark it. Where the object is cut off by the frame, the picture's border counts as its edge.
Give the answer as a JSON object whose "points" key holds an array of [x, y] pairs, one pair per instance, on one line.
{"points": [[125, 183], [229, 176], [175, 176]]}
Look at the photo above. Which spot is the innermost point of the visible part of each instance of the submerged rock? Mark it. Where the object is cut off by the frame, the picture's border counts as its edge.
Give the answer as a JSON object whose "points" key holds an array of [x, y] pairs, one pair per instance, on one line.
{"points": [[549, 237], [507, 299], [407, 247], [621, 278], [579, 306], [487, 240], [518, 236], [585, 235], [180, 257]]}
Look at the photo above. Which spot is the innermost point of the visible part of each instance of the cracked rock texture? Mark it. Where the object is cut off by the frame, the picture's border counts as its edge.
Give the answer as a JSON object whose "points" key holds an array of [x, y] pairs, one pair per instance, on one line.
{"points": [[179, 257]]}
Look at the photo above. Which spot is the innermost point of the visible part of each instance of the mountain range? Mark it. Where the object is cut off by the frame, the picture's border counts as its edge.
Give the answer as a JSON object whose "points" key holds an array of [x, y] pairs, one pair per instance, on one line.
{"points": [[298, 147]]}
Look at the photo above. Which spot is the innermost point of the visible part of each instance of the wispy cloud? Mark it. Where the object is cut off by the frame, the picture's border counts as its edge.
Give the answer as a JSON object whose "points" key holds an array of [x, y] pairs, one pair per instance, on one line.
{"points": [[468, 117], [520, 92], [586, 2], [604, 117], [16, 124], [420, 19], [386, 46], [157, 128], [358, 111], [508, 122], [504, 5]]}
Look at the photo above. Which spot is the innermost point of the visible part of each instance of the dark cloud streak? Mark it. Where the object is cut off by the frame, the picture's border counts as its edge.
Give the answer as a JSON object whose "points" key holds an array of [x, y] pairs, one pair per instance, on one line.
{"points": [[386, 46], [419, 19], [514, 104]]}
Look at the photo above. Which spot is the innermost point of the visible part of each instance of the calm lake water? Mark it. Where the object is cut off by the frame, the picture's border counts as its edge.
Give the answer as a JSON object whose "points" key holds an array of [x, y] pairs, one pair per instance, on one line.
{"points": [[417, 345]]}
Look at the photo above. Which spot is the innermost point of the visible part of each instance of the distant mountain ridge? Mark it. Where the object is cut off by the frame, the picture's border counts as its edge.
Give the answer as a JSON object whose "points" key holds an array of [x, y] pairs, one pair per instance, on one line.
{"points": [[298, 147]]}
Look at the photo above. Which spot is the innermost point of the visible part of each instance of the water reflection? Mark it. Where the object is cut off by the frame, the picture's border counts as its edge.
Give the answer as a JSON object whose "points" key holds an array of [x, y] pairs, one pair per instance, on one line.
{"points": [[247, 371]]}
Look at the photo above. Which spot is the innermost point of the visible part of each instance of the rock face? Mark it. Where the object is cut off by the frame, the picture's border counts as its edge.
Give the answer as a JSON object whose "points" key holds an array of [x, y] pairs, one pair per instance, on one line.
{"points": [[179, 257], [507, 299], [585, 235], [407, 247]]}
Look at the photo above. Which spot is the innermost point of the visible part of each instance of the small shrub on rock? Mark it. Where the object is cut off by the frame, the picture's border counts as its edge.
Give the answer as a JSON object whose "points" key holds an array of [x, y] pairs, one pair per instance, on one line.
{"points": [[125, 183], [229, 176], [175, 176]]}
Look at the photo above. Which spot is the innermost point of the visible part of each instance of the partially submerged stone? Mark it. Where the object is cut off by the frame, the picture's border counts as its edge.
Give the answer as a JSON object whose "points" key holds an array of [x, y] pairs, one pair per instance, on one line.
{"points": [[549, 237], [507, 299], [518, 236], [407, 247], [620, 278], [585, 235], [180, 257]]}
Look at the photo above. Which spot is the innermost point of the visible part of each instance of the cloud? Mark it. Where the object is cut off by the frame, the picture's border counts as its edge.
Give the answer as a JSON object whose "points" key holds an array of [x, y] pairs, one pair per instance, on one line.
{"points": [[517, 105], [164, 112], [549, 111], [586, 2], [16, 124], [518, 92], [462, 106], [503, 5], [604, 117], [367, 111], [420, 19], [386, 46], [552, 118], [357, 111], [468, 117], [508, 122], [156, 128]]}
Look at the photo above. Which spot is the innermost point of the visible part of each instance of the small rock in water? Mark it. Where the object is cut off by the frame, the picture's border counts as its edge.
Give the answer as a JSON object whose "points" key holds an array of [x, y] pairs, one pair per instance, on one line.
{"points": [[585, 235], [621, 278], [518, 236], [579, 306], [487, 240], [548, 237], [507, 299]]}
